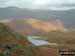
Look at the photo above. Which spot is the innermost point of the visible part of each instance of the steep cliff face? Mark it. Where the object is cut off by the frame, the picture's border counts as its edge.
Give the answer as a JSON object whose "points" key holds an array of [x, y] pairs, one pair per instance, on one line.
{"points": [[13, 44]]}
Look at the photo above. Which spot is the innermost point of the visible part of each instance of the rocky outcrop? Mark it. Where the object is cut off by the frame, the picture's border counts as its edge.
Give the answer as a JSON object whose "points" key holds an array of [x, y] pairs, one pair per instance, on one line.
{"points": [[13, 44]]}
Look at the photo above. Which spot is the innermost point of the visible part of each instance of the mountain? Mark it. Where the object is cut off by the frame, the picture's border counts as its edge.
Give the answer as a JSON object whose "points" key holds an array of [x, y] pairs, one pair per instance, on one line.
{"points": [[33, 26], [67, 38], [13, 44], [66, 16]]}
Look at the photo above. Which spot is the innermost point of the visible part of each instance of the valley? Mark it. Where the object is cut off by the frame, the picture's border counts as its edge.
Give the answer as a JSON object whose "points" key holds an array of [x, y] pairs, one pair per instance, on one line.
{"points": [[36, 32]]}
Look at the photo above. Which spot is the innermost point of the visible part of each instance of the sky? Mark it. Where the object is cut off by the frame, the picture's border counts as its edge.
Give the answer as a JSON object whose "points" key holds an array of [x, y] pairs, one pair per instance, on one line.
{"points": [[42, 4]]}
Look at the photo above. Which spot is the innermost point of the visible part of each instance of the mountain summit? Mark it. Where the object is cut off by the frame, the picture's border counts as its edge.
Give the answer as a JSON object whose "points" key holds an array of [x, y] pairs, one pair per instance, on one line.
{"points": [[13, 44]]}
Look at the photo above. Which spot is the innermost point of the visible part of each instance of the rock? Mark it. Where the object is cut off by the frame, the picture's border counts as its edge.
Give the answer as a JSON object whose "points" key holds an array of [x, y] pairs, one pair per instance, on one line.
{"points": [[13, 44]]}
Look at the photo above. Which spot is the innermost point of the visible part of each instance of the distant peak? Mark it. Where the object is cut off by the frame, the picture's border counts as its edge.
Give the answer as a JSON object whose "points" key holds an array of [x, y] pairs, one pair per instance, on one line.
{"points": [[12, 7]]}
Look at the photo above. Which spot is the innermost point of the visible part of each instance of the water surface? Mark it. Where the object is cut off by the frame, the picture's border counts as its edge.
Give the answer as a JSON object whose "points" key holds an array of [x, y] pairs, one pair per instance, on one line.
{"points": [[38, 42]]}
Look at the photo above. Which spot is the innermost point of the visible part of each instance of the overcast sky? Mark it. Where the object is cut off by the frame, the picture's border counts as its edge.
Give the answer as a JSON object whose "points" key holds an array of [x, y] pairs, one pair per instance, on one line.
{"points": [[46, 4]]}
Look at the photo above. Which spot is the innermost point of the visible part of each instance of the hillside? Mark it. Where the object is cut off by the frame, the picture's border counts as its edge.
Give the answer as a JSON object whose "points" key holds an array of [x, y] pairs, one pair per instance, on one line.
{"points": [[65, 42], [13, 44], [33, 26], [61, 38], [67, 16]]}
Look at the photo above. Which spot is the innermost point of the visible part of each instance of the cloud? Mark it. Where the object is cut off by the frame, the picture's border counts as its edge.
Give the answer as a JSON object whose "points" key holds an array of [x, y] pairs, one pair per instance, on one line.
{"points": [[39, 2], [46, 4]]}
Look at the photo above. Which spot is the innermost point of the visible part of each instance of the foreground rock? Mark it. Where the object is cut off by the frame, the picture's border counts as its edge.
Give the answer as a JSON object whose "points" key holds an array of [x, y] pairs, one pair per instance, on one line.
{"points": [[13, 44]]}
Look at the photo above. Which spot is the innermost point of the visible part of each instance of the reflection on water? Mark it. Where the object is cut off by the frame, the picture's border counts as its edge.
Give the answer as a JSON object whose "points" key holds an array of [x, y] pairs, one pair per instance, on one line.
{"points": [[39, 42]]}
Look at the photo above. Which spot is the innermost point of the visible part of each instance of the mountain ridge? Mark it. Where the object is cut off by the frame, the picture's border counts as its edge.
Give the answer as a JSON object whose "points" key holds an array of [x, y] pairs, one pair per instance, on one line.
{"points": [[67, 16]]}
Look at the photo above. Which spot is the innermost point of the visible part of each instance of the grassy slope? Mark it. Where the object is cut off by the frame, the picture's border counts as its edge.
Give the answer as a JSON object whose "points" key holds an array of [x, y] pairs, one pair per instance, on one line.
{"points": [[66, 42], [66, 38], [13, 44]]}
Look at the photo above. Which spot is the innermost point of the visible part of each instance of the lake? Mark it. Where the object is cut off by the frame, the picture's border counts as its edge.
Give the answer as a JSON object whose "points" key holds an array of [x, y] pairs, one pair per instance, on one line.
{"points": [[38, 42]]}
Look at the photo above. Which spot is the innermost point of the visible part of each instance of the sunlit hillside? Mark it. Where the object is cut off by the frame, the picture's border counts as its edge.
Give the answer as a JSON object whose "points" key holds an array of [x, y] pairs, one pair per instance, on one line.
{"points": [[33, 26]]}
